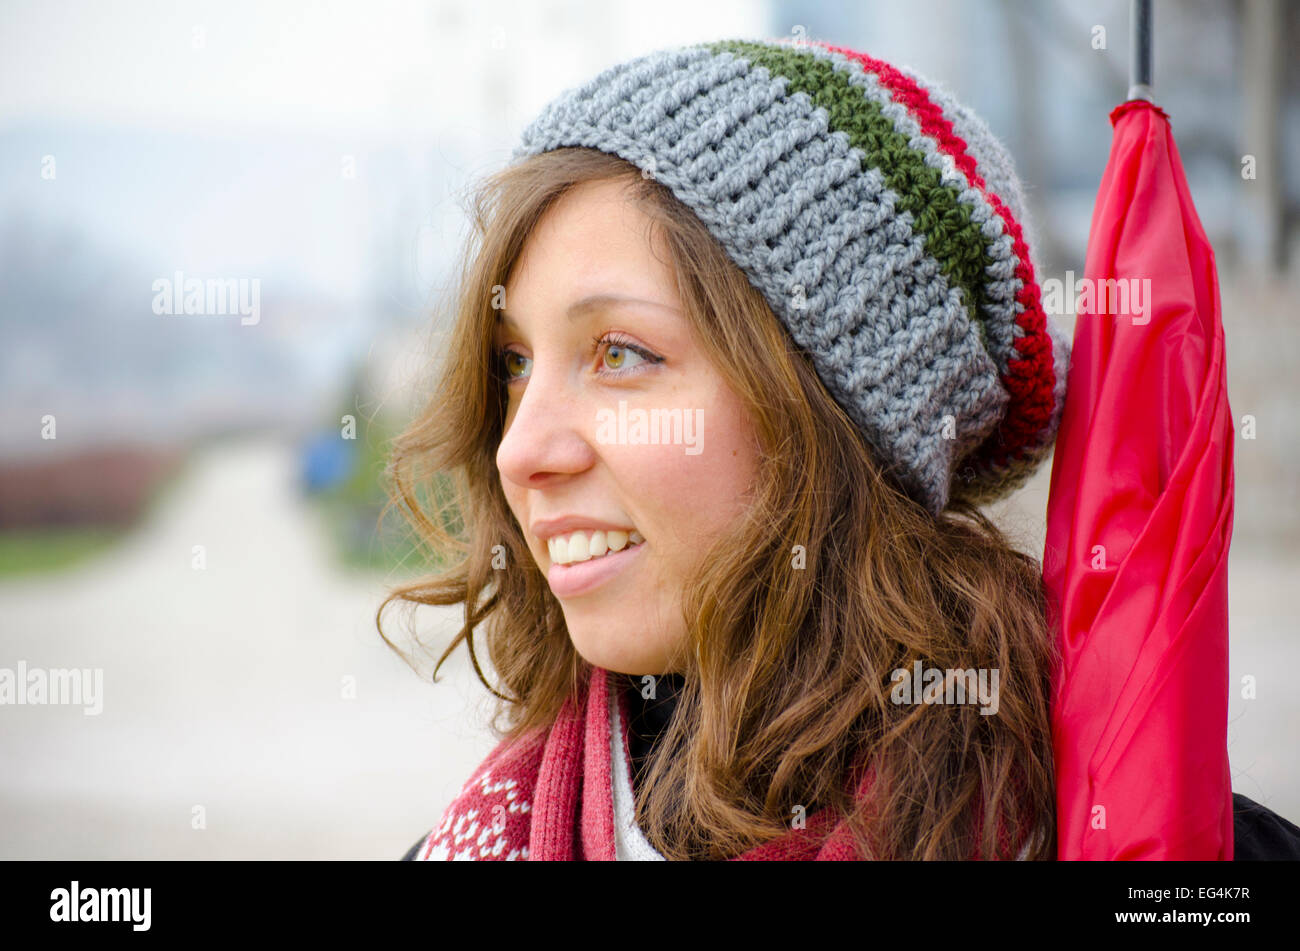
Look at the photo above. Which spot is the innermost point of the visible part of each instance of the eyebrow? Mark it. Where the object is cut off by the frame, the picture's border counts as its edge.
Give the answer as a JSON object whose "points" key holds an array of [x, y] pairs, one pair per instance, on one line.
{"points": [[593, 302]]}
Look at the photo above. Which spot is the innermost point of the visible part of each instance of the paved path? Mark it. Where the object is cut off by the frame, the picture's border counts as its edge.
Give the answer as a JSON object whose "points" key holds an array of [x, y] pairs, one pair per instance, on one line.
{"points": [[223, 689]]}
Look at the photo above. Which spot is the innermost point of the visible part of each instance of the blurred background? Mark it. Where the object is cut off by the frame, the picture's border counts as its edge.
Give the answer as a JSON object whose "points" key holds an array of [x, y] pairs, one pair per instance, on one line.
{"points": [[190, 502]]}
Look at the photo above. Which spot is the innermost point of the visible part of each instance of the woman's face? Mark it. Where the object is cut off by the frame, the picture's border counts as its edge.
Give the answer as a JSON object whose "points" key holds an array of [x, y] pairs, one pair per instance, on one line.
{"points": [[573, 459]]}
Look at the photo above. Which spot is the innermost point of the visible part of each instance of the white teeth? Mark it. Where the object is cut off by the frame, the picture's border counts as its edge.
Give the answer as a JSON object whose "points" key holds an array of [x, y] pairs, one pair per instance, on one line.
{"points": [[583, 546], [578, 547]]}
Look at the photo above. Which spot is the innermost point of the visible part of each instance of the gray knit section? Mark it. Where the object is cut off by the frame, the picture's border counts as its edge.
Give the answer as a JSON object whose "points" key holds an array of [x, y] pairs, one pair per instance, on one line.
{"points": [[993, 163], [997, 481], [1001, 284], [820, 237], [817, 235]]}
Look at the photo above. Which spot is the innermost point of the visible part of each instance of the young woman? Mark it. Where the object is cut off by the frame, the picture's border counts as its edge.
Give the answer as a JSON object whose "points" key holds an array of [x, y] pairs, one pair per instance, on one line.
{"points": [[749, 331]]}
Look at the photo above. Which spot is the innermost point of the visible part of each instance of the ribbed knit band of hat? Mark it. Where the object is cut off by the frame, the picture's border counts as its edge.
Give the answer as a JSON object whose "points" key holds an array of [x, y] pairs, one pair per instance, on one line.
{"points": [[880, 219]]}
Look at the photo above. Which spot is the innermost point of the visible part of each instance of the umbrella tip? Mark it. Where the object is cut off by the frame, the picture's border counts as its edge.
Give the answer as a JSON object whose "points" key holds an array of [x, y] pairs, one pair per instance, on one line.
{"points": [[1141, 91]]}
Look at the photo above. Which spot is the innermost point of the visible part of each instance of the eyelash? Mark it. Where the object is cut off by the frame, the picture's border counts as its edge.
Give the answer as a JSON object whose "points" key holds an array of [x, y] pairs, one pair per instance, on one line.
{"points": [[613, 339]]}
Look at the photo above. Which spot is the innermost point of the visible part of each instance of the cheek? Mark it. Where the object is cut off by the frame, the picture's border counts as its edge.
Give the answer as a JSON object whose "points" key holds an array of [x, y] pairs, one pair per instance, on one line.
{"points": [[691, 498]]}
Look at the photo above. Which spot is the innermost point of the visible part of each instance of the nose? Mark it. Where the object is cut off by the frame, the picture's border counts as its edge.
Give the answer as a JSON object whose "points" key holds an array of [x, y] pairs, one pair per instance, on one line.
{"points": [[546, 435]]}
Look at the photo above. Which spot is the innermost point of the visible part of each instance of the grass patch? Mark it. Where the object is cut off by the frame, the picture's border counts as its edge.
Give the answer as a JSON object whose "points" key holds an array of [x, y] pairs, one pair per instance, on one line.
{"points": [[34, 552]]}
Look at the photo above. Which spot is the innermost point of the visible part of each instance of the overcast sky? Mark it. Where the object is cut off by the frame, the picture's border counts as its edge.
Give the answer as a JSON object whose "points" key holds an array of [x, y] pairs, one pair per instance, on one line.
{"points": [[380, 65]]}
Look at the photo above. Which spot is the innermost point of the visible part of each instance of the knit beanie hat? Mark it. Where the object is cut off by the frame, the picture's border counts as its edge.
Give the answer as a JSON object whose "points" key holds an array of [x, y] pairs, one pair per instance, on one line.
{"points": [[882, 222]]}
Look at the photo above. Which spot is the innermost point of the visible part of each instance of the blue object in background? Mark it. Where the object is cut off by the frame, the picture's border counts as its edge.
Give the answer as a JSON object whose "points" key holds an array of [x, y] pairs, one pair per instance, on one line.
{"points": [[327, 461]]}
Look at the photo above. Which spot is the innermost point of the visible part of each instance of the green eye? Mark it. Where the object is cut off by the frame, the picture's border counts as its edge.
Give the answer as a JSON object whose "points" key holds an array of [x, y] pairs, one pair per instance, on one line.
{"points": [[616, 356], [512, 365], [617, 349], [614, 360]]}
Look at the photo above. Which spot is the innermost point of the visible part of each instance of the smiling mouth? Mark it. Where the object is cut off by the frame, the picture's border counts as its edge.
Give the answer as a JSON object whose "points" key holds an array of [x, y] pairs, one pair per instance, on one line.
{"points": [[579, 546], [580, 577]]}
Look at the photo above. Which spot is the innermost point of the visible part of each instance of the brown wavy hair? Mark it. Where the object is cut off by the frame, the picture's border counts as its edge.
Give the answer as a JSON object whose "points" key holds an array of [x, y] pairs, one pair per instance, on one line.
{"points": [[833, 579]]}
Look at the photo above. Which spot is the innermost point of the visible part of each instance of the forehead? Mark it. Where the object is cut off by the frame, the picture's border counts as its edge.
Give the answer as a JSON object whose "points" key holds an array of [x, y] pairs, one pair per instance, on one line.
{"points": [[597, 303], [590, 252]]}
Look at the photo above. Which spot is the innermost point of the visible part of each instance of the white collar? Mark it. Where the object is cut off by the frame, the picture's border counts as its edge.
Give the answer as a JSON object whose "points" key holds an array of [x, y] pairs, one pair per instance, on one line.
{"points": [[629, 843]]}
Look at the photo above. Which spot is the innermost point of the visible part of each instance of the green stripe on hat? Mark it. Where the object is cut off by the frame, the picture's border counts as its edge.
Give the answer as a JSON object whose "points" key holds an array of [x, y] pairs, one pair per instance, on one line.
{"points": [[954, 240]]}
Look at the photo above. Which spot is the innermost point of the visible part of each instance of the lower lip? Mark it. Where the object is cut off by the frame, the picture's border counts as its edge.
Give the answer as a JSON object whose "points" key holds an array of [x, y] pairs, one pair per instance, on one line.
{"points": [[568, 581]]}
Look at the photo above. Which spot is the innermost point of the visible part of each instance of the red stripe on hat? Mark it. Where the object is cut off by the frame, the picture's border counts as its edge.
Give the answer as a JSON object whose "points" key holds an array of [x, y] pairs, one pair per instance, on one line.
{"points": [[1030, 380]]}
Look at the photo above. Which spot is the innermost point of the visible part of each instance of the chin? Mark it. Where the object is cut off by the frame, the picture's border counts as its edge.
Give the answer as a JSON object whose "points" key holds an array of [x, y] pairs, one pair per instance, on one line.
{"points": [[619, 658]]}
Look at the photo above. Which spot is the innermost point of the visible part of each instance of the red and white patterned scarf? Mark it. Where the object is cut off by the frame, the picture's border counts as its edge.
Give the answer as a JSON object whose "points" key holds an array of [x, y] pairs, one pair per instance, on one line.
{"points": [[549, 797]]}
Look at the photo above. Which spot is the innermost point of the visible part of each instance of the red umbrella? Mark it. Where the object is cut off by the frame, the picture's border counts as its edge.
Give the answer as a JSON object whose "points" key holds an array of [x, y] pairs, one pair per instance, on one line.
{"points": [[1139, 524]]}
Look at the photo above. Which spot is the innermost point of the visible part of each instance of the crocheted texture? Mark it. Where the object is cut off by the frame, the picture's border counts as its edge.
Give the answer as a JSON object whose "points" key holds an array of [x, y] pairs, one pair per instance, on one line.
{"points": [[881, 221]]}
